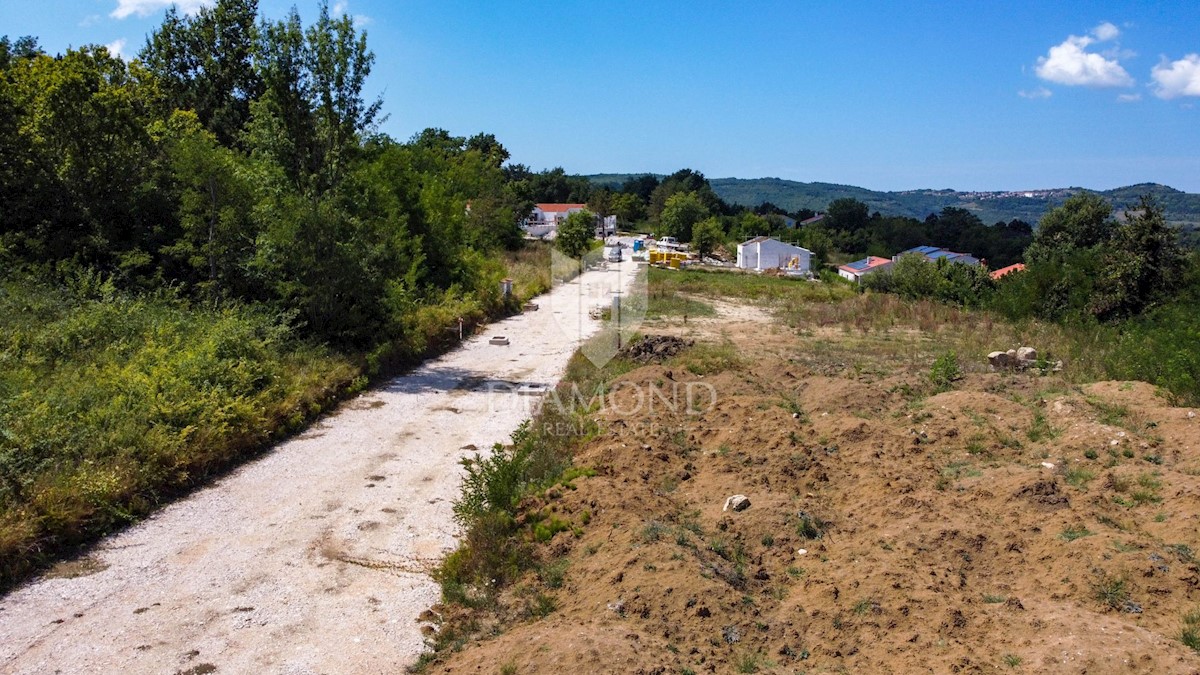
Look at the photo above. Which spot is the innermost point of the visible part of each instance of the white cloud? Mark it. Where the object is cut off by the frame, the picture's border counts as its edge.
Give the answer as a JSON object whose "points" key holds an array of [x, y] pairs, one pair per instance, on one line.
{"points": [[116, 48], [1177, 78], [1105, 32], [342, 8], [1070, 63], [127, 8], [1129, 98], [1040, 92]]}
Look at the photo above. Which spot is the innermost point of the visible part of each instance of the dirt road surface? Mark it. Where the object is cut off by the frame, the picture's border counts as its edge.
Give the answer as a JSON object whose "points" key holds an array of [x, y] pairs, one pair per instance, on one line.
{"points": [[314, 558]]}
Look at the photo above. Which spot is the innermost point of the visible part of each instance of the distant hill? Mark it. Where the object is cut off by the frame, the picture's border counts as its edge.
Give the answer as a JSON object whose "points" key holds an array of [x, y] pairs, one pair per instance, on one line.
{"points": [[1181, 208]]}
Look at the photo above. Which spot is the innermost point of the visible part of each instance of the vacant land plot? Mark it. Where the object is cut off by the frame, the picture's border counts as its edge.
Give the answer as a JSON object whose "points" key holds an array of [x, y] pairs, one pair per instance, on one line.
{"points": [[901, 518]]}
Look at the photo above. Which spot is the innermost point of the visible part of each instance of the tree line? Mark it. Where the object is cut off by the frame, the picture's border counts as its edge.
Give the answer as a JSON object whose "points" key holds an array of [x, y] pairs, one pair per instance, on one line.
{"points": [[238, 158]]}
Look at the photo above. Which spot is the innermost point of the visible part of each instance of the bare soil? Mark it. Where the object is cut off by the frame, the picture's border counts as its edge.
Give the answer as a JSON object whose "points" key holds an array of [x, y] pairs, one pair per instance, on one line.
{"points": [[315, 558], [1012, 524]]}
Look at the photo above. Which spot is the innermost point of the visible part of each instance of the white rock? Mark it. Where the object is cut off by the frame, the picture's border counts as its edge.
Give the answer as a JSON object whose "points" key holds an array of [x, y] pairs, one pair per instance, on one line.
{"points": [[737, 502], [1048, 465], [801, 551], [1027, 354]]}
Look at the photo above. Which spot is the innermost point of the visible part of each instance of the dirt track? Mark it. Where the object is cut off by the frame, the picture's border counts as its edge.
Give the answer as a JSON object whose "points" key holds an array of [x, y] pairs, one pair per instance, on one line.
{"points": [[312, 559]]}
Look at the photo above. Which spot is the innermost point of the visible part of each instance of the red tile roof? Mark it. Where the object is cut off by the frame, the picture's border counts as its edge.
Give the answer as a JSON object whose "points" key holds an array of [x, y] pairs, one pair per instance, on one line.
{"points": [[871, 262], [560, 208], [1008, 270]]}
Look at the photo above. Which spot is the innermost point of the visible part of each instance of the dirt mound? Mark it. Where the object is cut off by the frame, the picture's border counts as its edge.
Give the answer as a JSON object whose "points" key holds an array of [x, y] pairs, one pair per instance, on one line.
{"points": [[1015, 524], [656, 348]]}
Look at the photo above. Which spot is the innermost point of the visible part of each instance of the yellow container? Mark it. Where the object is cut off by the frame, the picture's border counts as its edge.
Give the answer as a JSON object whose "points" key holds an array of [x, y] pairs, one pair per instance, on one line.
{"points": [[674, 263]]}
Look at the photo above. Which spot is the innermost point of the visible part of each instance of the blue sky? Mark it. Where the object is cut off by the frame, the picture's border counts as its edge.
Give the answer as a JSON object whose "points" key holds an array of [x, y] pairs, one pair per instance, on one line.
{"points": [[964, 94]]}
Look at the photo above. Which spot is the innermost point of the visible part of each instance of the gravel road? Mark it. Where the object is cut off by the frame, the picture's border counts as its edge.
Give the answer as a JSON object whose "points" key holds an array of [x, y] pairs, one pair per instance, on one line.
{"points": [[313, 558]]}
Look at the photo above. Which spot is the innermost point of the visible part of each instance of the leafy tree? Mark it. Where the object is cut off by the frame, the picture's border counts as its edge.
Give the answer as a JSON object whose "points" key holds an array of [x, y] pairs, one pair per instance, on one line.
{"points": [[627, 208], [576, 233], [24, 48], [1083, 261], [283, 127], [489, 147], [439, 143], [1143, 264], [205, 64], [600, 201], [338, 64], [816, 239], [684, 181], [767, 208], [82, 136], [847, 214], [641, 187], [1083, 221], [555, 187], [749, 225], [912, 276], [215, 205], [680, 213], [707, 235]]}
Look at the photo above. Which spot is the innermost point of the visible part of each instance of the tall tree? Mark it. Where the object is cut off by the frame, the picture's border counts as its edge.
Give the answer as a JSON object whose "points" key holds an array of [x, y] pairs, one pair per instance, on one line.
{"points": [[206, 63], [681, 212], [707, 235], [283, 127], [215, 206], [489, 147], [847, 214], [1143, 263], [82, 132], [339, 63], [576, 233], [684, 180]]}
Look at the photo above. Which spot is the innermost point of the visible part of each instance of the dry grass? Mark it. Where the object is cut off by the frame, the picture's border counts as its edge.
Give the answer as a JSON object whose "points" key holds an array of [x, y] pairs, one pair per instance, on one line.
{"points": [[888, 324]]}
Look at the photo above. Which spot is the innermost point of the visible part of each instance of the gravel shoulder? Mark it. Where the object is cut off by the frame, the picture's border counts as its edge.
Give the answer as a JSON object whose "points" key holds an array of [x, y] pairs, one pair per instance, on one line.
{"points": [[315, 557]]}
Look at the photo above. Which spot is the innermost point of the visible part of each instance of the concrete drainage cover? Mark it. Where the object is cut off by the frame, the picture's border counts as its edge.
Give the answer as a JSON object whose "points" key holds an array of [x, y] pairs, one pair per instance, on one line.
{"points": [[498, 340], [491, 386]]}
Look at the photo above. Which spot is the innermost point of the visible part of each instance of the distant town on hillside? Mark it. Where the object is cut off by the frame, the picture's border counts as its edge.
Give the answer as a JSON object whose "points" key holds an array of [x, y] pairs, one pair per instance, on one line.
{"points": [[1180, 208]]}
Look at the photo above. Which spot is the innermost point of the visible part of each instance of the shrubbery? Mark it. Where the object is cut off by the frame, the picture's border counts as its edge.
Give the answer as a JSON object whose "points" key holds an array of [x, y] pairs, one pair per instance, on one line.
{"points": [[111, 402], [914, 277]]}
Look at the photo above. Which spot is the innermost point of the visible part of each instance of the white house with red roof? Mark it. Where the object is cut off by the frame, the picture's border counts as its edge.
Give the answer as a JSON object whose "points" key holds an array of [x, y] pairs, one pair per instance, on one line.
{"points": [[858, 269], [546, 218]]}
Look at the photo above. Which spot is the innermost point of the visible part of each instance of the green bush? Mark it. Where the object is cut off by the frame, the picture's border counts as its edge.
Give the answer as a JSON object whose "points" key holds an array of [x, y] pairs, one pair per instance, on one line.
{"points": [[111, 402], [945, 372]]}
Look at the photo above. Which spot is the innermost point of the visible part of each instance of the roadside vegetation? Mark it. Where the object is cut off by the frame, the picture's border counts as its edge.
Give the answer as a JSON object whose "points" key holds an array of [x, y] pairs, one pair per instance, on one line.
{"points": [[205, 246]]}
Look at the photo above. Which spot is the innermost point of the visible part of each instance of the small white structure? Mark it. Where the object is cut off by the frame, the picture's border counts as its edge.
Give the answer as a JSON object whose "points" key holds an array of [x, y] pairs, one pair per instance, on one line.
{"points": [[765, 253], [606, 227]]}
